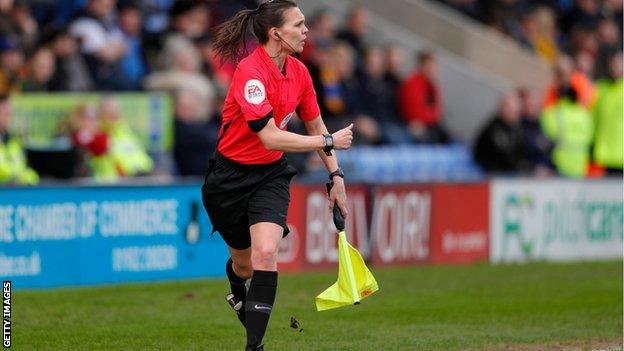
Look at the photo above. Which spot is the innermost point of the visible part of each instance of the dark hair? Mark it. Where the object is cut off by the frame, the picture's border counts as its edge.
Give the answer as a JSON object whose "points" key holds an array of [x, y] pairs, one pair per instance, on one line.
{"points": [[182, 7], [229, 40], [318, 15], [123, 5], [425, 56], [52, 32]]}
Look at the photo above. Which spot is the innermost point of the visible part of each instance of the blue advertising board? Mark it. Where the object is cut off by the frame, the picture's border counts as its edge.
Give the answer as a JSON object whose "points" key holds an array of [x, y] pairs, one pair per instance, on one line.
{"points": [[51, 237]]}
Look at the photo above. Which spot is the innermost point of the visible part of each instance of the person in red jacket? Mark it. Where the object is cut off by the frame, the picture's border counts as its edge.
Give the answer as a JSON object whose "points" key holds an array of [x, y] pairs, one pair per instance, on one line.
{"points": [[420, 101]]}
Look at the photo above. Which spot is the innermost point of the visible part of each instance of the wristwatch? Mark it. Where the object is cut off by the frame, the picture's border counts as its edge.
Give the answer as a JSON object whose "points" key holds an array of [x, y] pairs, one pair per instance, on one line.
{"points": [[338, 173], [329, 144]]}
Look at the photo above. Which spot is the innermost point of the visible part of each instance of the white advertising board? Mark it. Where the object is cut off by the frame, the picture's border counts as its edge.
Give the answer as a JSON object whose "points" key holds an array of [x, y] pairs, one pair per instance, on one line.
{"points": [[555, 220]]}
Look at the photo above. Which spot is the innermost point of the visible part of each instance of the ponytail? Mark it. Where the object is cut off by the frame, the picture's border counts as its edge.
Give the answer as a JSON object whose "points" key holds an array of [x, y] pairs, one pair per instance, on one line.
{"points": [[229, 42], [231, 34]]}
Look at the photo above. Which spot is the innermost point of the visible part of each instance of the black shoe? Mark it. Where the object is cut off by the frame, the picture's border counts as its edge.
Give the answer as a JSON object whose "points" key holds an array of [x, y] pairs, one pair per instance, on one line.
{"points": [[257, 348], [237, 306]]}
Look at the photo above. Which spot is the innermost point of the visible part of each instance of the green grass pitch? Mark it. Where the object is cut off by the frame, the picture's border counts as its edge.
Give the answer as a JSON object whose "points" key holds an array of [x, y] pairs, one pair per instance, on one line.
{"points": [[539, 306]]}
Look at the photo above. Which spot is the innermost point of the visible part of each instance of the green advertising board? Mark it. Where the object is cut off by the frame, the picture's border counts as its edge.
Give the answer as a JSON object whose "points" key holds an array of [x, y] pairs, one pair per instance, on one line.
{"points": [[37, 117]]}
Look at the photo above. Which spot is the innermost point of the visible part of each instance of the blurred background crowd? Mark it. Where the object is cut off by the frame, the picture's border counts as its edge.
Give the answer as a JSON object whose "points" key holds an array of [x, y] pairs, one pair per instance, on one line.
{"points": [[572, 127]]}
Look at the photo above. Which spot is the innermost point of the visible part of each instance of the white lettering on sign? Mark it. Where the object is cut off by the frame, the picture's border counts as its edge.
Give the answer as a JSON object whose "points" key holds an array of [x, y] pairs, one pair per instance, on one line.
{"points": [[81, 220], [87, 219], [146, 217], [321, 238], [464, 242], [6, 224], [401, 226], [318, 244], [145, 259], [14, 266], [45, 222]]}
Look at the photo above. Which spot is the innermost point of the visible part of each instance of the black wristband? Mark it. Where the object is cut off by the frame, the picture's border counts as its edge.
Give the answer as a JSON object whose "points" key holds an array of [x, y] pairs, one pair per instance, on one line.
{"points": [[335, 173], [329, 144]]}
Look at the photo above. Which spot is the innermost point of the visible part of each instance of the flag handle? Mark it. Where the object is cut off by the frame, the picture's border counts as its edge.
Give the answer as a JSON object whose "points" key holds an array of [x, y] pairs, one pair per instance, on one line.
{"points": [[339, 222]]}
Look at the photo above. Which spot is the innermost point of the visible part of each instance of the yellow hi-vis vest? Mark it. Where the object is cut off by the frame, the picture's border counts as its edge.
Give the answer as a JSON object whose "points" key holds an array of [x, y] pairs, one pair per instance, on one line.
{"points": [[609, 116], [13, 166], [571, 127], [103, 168], [126, 150], [125, 156]]}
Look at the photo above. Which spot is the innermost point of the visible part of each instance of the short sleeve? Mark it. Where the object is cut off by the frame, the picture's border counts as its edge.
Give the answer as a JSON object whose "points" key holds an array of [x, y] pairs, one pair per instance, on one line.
{"points": [[250, 94], [308, 108]]}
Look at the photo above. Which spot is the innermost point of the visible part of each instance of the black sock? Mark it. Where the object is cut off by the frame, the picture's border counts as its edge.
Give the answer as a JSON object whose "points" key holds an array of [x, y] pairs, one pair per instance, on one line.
{"points": [[259, 305], [237, 284]]}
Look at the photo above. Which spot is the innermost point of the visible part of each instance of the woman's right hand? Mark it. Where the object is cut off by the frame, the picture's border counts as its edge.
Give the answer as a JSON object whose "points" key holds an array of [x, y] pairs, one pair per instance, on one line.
{"points": [[343, 138]]}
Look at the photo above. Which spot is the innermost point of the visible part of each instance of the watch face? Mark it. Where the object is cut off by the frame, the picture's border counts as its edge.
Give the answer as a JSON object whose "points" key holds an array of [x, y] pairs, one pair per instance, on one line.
{"points": [[329, 141]]}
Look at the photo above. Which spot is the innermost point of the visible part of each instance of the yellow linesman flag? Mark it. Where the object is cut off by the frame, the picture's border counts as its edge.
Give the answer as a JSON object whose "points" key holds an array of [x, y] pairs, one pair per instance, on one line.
{"points": [[355, 281]]}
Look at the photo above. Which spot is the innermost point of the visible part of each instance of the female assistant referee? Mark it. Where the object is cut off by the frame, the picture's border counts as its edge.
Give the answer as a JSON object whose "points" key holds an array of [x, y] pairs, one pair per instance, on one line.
{"points": [[246, 190]]}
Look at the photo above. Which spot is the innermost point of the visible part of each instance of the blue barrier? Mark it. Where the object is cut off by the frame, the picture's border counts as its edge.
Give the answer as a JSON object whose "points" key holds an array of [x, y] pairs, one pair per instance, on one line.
{"points": [[404, 163], [53, 237]]}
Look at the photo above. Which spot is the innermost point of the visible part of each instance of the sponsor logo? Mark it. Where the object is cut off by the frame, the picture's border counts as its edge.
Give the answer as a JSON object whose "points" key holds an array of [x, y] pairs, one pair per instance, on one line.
{"points": [[401, 226], [254, 91], [535, 228], [259, 307], [517, 214], [475, 241], [321, 245], [286, 119]]}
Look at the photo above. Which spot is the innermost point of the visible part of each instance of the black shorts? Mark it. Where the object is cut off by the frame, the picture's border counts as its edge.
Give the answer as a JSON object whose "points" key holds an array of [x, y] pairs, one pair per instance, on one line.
{"points": [[237, 196]]}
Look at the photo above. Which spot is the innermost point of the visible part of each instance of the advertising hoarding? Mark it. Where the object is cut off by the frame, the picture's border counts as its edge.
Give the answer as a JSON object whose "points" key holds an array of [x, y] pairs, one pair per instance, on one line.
{"points": [[555, 220], [460, 223], [93, 235], [312, 242]]}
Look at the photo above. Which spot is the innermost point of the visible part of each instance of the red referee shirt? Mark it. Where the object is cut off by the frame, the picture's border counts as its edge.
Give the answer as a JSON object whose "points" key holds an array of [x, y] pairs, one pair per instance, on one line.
{"points": [[258, 89]]}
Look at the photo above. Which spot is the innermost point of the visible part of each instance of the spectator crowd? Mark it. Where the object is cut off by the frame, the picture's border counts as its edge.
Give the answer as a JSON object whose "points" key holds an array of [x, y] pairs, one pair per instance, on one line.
{"points": [[573, 127]]}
